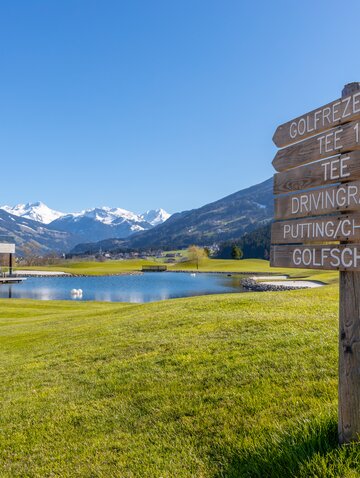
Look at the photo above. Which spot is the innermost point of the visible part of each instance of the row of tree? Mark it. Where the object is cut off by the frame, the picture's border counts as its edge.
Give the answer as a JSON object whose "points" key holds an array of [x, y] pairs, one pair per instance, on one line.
{"points": [[255, 244]]}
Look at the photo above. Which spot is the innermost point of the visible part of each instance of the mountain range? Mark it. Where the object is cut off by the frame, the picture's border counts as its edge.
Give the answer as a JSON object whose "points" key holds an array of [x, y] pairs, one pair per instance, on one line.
{"points": [[91, 224], [227, 219], [33, 236], [38, 211]]}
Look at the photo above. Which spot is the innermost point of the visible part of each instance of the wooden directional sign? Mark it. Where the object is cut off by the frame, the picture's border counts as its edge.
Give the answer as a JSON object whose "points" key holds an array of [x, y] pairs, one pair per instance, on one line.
{"points": [[344, 197], [345, 227], [328, 171], [333, 257], [335, 141], [333, 114], [321, 211]]}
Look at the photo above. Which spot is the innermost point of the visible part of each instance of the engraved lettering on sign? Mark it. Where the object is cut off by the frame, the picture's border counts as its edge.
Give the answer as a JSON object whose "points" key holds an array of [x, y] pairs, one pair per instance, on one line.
{"points": [[336, 168], [315, 201], [340, 257], [330, 142], [327, 230], [325, 117], [347, 257]]}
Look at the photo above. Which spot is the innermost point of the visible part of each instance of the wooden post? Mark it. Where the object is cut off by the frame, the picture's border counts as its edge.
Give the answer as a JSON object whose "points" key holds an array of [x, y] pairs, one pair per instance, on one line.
{"points": [[10, 264], [349, 345]]}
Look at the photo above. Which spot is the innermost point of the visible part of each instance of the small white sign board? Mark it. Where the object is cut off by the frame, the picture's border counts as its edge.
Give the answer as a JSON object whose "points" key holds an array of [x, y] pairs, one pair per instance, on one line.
{"points": [[7, 248]]}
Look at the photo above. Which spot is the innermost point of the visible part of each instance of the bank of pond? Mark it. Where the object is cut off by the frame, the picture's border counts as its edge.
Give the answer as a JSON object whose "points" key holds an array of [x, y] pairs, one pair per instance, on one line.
{"points": [[136, 288]]}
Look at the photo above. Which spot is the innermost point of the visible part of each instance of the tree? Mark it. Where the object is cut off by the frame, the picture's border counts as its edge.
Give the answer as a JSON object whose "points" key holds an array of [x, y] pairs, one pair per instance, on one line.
{"points": [[254, 244], [196, 254], [30, 252], [236, 252]]}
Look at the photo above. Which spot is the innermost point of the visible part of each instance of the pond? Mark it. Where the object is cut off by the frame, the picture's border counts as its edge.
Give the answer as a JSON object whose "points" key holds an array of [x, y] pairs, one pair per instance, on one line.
{"points": [[148, 287]]}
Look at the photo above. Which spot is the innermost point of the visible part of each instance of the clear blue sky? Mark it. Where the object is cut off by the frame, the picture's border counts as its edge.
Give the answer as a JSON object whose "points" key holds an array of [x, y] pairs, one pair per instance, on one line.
{"points": [[144, 104]]}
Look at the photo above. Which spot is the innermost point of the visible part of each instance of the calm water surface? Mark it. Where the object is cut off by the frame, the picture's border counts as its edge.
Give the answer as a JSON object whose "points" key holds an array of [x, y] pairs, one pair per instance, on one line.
{"points": [[146, 287]]}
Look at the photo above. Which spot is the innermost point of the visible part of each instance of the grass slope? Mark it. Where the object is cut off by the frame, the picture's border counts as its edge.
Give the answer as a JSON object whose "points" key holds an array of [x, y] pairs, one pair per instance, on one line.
{"points": [[219, 386]]}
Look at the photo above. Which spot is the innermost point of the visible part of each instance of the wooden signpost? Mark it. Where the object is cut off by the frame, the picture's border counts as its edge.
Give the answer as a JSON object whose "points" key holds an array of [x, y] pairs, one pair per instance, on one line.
{"points": [[317, 213]]}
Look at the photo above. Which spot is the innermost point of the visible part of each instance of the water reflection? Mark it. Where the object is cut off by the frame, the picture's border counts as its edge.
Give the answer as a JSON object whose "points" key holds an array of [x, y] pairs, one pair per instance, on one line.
{"points": [[127, 288]]}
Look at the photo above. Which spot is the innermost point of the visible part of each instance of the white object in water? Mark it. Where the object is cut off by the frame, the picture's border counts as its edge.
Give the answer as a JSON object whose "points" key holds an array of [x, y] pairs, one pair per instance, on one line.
{"points": [[76, 292], [193, 274]]}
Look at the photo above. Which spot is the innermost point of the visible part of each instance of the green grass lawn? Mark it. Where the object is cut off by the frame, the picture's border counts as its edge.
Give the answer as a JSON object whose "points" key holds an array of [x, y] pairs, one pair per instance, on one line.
{"points": [[94, 268], [237, 385]]}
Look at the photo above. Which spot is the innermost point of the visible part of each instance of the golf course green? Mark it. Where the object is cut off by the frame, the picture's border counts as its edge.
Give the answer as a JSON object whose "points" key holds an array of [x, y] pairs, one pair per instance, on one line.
{"points": [[234, 385]]}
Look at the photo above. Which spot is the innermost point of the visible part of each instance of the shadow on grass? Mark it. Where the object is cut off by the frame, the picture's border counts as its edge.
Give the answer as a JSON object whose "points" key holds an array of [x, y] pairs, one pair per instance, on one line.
{"points": [[283, 455]]}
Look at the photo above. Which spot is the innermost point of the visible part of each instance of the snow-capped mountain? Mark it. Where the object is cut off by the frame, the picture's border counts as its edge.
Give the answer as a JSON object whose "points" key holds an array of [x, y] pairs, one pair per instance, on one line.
{"points": [[37, 211], [155, 216], [107, 215], [90, 225], [104, 223], [101, 223]]}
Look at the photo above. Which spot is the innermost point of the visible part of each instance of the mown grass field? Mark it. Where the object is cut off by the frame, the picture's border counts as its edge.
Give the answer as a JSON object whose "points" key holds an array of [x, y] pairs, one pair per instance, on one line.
{"points": [[93, 267], [237, 385]]}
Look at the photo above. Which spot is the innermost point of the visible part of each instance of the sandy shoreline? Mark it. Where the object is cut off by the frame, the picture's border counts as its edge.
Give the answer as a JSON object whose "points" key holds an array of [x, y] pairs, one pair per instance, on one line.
{"points": [[283, 281], [24, 273], [299, 284]]}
